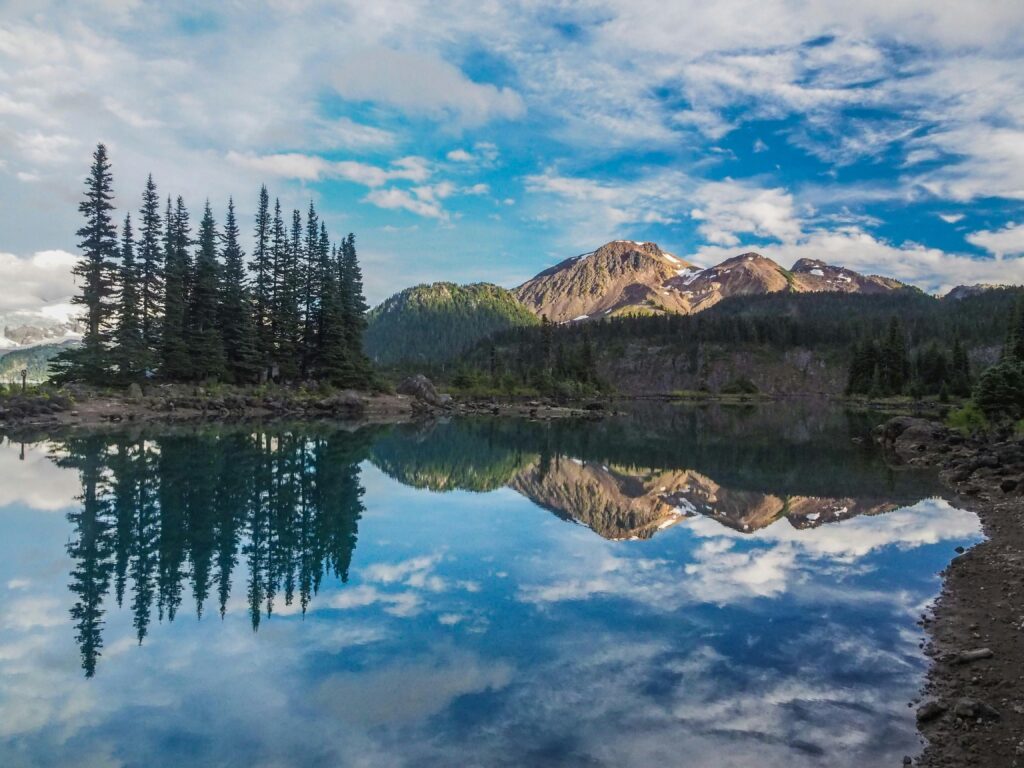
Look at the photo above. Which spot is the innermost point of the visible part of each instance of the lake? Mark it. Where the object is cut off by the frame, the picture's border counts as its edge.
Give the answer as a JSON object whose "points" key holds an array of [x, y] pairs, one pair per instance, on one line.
{"points": [[693, 586]]}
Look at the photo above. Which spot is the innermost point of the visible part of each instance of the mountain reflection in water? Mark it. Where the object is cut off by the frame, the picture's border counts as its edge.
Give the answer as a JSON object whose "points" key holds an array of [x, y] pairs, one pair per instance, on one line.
{"points": [[164, 511], [438, 601]]}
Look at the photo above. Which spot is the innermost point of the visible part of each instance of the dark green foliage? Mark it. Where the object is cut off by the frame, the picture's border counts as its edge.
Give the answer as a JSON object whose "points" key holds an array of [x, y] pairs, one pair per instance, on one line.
{"points": [[236, 312], [264, 284], [129, 355], [205, 341], [199, 320], [881, 367], [98, 270], [150, 268], [176, 363], [353, 316], [312, 290], [437, 322], [999, 392]]}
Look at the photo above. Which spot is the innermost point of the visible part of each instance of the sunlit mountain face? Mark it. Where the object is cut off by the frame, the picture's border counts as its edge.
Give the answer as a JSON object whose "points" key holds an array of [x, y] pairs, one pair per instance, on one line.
{"points": [[733, 584]]}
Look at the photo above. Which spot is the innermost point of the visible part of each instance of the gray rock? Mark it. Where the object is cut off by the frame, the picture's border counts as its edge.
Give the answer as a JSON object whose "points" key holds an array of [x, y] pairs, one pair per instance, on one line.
{"points": [[965, 657], [971, 709], [930, 710], [423, 389], [134, 391]]}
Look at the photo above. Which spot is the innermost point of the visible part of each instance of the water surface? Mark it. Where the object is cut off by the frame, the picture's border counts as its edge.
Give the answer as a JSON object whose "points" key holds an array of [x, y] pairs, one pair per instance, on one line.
{"points": [[685, 586]]}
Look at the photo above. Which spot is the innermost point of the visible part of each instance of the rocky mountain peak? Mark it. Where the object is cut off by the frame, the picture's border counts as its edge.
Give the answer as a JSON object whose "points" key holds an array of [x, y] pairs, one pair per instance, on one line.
{"points": [[808, 265]]}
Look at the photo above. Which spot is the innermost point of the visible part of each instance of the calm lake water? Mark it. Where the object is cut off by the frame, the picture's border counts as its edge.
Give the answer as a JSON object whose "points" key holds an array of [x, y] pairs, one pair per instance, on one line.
{"points": [[686, 586]]}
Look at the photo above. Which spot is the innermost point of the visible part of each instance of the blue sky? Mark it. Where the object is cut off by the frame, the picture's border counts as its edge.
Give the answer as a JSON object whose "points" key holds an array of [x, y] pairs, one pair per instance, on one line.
{"points": [[489, 140]]}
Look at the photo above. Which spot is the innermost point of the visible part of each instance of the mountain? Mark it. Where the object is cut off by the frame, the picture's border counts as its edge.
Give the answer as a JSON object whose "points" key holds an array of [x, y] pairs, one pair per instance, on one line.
{"points": [[626, 277], [35, 359], [636, 503], [51, 324], [966, 291], [617, 276], [438, 321]]}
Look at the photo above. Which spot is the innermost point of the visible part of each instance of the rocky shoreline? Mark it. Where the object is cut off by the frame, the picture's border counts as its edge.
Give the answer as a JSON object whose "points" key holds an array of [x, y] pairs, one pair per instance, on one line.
{"points": [[415, 398], [971, 711]]}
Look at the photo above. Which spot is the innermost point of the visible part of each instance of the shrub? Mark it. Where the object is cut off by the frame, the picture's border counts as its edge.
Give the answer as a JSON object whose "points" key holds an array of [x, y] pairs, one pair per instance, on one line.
{"points": [[1000, 391], [740, 386], [969, 418]]}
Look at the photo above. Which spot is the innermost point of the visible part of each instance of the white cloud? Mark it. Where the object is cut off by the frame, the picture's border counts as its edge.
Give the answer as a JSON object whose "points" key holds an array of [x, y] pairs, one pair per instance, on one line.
{"points": [[313, 168], [727, 209], [32, 282], [459, 156], [42, 485], [1008, 241], [423, 84], [401, 199], [594, 211], [951, 218]]}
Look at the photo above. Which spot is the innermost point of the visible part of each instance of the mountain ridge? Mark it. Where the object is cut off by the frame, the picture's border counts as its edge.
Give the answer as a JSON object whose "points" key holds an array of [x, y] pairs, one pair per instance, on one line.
{"points": [[631, 277]]}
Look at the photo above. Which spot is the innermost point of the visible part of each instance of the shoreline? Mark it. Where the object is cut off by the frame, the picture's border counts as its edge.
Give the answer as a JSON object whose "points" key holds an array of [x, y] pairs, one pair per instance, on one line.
{"points": [[971, 707]]}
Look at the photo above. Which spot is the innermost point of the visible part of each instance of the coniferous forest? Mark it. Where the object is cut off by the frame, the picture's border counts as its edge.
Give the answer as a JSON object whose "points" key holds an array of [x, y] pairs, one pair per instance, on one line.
{"points": [[167, 299]]}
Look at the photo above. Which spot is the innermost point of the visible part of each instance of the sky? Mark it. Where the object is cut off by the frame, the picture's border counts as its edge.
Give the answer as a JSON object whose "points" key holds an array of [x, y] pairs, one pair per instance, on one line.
{"points": [[487, 140]]}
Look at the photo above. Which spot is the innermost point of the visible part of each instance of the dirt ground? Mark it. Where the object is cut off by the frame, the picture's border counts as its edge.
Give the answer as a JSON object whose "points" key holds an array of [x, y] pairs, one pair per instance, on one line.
{"points": [[971, 711]]}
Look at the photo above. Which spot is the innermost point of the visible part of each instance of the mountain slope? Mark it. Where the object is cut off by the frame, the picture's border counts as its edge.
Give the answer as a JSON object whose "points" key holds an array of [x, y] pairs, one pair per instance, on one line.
{"points": [[36, 360], [436, 322], [626, 277], [618, 275]]}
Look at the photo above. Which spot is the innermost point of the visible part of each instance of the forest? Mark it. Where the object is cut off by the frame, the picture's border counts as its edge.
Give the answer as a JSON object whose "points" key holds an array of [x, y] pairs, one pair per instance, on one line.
{"points": [[176, 305]]}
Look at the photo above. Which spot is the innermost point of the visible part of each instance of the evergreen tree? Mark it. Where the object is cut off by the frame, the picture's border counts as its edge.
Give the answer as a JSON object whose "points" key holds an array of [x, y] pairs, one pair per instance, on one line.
{"points": [[129, 353], [176, 363], [1013, 349], [288, 311], [150, 267], [311, 290], [895, 363], [207, 345], [237, 326], [961, 370], [263, 267], [334, 360], [279, 263], [97, 269], [353, 305]]}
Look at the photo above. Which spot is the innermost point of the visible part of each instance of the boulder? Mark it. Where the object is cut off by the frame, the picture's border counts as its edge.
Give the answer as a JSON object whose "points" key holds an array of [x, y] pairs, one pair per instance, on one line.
{"points": [[930, 710], [912, 440], [970, 709], [423, 389]]}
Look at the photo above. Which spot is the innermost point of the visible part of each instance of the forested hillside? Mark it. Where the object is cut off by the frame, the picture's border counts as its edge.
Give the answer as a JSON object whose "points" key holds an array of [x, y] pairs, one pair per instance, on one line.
{"points": [[36, 360], [439, 321], [778, 342]]}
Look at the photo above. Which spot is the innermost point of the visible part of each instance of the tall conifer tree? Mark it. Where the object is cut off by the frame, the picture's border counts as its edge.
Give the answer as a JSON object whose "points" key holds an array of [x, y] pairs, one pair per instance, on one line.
{"points": [[207, 345], [263, 270], [354, 308], [176, 361], [97, 269], [310, 272], [150, 267], [237, 325], [129, 352]]}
